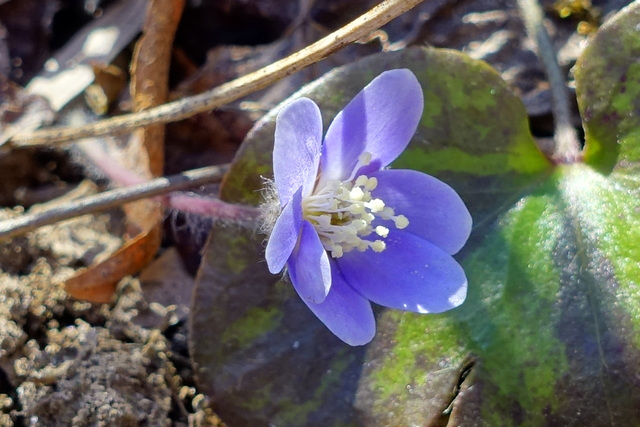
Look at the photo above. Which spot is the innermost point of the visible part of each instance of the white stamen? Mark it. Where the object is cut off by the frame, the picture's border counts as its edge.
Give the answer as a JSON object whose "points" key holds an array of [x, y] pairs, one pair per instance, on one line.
{"points": [[357, 208], [356, 194], [376, 205], [378, 246], [401, 221], [371, 183], [365, 158], [343, 213], [336, 251], [359, 224], [387, 213], [382, 231], [361, 181]]}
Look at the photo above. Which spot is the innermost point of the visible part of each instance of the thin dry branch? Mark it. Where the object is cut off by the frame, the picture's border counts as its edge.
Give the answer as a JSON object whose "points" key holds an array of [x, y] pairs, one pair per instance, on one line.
{"points": [[110, 199], [567, 147], [228, 92]]}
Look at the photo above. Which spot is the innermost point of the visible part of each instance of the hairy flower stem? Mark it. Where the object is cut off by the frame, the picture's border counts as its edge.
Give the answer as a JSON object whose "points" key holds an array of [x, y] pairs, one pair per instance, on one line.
{"points": [[228, 92], [567, 147], [212, 207], [156, 187]]}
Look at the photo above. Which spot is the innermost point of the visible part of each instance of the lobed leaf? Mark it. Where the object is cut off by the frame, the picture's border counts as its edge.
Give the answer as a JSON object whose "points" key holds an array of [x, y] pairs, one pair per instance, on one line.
{"points": [[608, 88], [550, 331]]}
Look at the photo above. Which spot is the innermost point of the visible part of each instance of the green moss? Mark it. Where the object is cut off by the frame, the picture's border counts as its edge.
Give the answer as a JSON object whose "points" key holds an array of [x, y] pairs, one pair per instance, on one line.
{"points": [[511, 320], [608, 210], [511, 316], [630, 148], [417, 337], [235, 255], [432, 112], [523, 158], [477, 95], [295, 412], [245, 179], [258, 400], [256, 322], [626, 94], [608, 87]]}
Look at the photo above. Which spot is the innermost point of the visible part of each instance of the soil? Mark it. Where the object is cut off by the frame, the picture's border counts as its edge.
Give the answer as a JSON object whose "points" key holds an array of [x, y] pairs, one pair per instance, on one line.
{"points": [[71, 363], [65, 362]]}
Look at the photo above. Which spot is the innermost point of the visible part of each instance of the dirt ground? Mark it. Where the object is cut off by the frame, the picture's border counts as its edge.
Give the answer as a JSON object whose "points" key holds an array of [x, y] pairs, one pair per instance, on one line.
{"points": [[126, 363], [68, 362]]}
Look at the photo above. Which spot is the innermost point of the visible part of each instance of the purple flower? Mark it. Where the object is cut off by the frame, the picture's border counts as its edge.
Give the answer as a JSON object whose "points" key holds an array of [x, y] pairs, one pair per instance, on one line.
{"points": [[350, 231]]}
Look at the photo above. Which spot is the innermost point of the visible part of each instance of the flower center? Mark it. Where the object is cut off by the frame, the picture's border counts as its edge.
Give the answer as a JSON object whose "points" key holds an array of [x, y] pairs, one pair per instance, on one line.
{"points": [[342, 212]]}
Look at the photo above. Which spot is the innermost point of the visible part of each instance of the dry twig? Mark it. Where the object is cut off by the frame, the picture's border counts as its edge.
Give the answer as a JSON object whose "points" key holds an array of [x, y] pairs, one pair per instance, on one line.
{"points": [[228, 92], [110, 199], [567, 148]]}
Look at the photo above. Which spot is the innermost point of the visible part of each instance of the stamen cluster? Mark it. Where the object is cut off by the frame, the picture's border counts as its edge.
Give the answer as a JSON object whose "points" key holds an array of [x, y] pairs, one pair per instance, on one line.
{"points": [[343, 212]]}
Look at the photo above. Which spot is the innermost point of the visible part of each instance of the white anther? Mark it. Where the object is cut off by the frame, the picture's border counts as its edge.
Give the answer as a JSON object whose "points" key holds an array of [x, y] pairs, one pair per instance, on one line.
{"points": [[378, 246], [357, 208], [366, 231], [359, 224], [324, 220], [382, 231], [371, 183], [387, 213], [356, 194], [365, 158], [361, 181], [401, 222], [351, 230], [376, 205]]}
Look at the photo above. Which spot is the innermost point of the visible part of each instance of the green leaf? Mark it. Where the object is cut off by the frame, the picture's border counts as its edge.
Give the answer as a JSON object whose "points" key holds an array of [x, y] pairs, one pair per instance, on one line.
{"points": [[608, 88], [551, 327], [472, 124], [257, 349], [550, 330], [245, 325]]}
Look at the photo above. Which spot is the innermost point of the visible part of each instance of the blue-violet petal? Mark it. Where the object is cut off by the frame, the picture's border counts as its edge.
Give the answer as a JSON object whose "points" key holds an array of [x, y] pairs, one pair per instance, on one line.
{"points": [[345, 312], [309, 267], [434, 210], [284, 235], [297, 147], [410, 274], [380, 120]]}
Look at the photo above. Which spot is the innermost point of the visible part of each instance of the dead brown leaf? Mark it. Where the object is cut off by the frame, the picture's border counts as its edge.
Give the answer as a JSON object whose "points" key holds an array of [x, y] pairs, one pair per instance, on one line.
{"points": [[5, 63], [69, 71], [167, 284], [109, 82], [20, 111], [149, 86], [27, 32], [150, 73], [98, 283]]}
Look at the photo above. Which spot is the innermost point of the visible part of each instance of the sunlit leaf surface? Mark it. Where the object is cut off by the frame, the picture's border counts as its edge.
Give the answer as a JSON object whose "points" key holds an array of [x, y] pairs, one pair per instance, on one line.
{"points": [[550, 331]]}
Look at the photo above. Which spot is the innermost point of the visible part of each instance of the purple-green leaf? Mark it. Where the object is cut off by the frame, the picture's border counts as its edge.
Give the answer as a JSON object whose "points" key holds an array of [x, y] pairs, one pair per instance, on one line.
{"points": [[550, 331], [608, 89]]}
